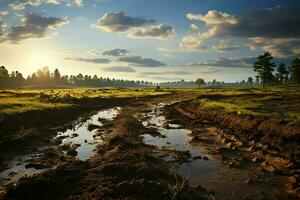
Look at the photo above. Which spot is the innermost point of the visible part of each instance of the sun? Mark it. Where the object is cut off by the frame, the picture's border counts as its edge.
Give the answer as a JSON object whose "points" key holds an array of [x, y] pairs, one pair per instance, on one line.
{"points": [[38, 59]]}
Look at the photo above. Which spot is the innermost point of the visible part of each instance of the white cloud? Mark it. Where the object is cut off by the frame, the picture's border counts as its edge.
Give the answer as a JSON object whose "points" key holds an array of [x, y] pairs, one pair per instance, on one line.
{"points": [[192, 43], [194, 27], [213, 17], [225, 45], [120, 22], [161, 32], [78, 2]]}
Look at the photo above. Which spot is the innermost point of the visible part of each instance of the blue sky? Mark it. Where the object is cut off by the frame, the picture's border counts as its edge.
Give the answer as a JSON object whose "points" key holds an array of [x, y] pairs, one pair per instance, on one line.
{"points": [[162, 40]]}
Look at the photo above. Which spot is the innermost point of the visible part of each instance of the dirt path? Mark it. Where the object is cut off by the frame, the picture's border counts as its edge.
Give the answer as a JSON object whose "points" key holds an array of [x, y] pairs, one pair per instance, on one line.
{"points": [[154, 149]]}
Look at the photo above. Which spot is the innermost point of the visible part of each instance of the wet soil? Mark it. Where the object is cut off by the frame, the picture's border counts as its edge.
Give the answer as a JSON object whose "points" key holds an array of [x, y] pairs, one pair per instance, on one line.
{"points": [[153, 149], [255, 169]]}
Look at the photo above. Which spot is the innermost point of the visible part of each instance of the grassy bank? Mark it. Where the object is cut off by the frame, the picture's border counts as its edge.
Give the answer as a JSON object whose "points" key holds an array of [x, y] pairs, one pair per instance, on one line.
{"points": [[25, 100], [282, 103], [27, 115]]}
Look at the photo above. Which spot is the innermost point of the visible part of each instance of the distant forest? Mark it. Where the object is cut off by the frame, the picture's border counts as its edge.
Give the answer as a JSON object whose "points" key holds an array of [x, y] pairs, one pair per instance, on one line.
{"points": [[267, 73], [44, 78]]}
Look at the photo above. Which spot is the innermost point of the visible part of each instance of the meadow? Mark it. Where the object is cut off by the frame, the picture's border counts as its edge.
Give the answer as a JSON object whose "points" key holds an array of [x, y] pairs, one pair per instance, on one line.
{"points": [[24, 100], [257, 101], [252, 129]]}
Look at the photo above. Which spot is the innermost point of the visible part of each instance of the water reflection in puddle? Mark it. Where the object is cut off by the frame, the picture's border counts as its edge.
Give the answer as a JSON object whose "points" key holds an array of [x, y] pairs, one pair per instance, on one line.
{"points": [[16, 169], [176, 138], [79, 134]]}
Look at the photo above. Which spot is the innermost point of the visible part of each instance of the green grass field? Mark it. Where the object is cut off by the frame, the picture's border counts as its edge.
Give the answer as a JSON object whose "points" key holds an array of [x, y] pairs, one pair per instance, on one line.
{"points": [[23, 100], [283, 102], [257, 101]]}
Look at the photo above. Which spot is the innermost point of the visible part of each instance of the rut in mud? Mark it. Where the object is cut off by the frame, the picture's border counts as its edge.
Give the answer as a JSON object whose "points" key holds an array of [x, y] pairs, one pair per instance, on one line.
{"points": [[145, 151], [224, 170], [80, 141]]}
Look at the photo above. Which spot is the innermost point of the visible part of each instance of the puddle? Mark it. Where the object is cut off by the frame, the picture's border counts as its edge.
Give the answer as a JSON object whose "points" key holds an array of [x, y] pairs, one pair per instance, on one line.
{"points": [[16, 169], [177, 138], [79, 134], [204, 169]]}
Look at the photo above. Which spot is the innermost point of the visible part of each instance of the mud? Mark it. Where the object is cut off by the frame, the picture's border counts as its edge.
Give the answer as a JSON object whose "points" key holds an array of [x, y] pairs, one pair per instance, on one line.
{"points": [[161, 148], [123, 168], [241, 143]]}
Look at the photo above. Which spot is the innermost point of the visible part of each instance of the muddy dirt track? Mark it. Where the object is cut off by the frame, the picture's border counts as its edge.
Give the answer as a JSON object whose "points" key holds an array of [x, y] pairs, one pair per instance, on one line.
{"points": [[153, 149]]}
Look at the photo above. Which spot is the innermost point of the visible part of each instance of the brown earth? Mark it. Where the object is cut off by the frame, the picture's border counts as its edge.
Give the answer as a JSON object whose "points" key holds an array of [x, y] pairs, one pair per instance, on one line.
{"points": [[123, 168], [274, 146]]}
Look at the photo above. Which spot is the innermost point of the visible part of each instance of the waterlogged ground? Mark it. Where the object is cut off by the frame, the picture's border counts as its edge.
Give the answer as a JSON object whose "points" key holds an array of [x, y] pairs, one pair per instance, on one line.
{"points": [[204, 166], [195, 153], [173, 137], [81, 140], [85, 138]]}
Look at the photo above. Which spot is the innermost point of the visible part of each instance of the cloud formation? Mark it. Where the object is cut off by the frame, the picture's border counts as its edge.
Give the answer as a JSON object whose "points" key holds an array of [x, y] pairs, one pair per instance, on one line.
{"points": [[90, 60], [125, 69], [225, 45], [165, 73], [78, 2], [213, 17], [2, 25], [226, 62], [121, 22], [278, 26], [192, 43], [136, 27], [142, 62], [115, 52], [23, 4], [34, 26], [161, 32]]}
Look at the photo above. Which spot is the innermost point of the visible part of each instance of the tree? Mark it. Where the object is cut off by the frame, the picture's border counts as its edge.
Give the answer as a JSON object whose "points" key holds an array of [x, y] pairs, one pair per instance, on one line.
{"points": [[281, 72], [214, 82], [257, 80], [43, 75], [295, 71], [264, 67], [250, 80], [4, 76], [56, 76], [200, 82]]}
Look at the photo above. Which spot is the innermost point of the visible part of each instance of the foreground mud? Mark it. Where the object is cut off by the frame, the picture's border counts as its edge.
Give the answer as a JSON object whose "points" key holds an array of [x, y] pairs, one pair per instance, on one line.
{"points": [[123, 168], [261, 152], [162, 148]]}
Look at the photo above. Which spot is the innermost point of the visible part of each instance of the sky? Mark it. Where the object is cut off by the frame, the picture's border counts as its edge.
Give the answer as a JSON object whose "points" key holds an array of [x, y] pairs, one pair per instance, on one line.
{"points": [[157, 40]]}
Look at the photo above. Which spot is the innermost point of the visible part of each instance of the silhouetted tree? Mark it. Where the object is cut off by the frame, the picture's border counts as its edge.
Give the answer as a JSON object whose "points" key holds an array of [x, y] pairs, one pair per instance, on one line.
{"points": [[282, 72], [257, 79], [250, 80], [295, 71], [56, 76], [200, 82], [264, 67]]}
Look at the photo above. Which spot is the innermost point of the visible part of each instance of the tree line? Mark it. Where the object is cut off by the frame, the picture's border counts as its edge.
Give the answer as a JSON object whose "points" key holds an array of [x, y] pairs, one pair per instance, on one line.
{"points": [[270, 73], [267, 73], [44, 78]]}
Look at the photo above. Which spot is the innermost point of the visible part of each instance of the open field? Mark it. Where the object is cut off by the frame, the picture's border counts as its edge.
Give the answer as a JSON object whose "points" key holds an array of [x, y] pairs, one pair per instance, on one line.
{"points": [[23, 100], [147, 143]]}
